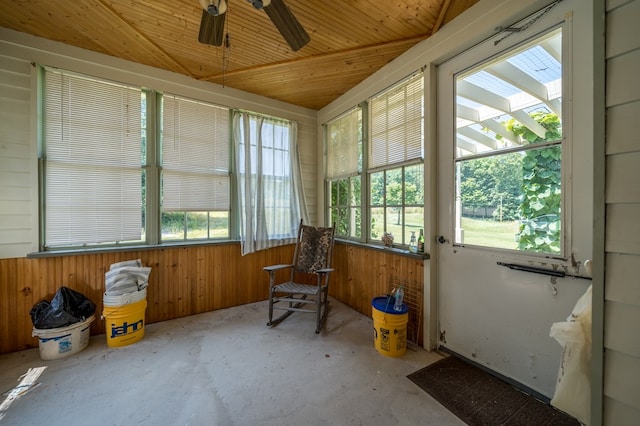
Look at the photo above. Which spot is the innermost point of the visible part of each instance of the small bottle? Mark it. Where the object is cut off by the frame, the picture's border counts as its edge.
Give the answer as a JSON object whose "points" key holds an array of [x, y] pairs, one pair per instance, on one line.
{"points": [[397, 306], [421, 242], [413, 245]]}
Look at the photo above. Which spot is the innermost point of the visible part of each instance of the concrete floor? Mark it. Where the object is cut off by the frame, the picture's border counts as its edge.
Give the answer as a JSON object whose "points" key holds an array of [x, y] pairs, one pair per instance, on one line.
{"points": [[228, 368]]}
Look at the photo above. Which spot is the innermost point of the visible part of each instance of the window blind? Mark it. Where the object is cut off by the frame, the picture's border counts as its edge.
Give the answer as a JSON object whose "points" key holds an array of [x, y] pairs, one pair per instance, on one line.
{"points": [[396, 118], [92, 167], [344, 144], [195, 156]]}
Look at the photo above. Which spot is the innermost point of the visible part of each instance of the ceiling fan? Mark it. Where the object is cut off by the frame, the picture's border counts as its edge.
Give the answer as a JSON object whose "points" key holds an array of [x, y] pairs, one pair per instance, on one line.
{"points": [[214, 13]]}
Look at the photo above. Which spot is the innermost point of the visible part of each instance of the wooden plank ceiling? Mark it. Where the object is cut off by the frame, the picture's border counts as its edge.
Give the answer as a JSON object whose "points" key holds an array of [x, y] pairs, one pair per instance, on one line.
{"points": [[350, 40]]}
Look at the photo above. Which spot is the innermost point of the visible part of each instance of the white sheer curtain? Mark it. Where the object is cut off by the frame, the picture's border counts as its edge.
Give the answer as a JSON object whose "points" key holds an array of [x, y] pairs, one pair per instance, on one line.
{"points": [[270, 194]]}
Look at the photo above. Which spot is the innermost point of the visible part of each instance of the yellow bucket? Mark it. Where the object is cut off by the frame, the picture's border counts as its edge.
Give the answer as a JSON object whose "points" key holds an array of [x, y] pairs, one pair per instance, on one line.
{"points": [[390, 327], [125, 318]]}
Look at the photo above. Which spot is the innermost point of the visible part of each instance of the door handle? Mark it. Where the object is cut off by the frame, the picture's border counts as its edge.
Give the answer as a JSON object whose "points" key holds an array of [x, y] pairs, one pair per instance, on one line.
{"points": [[442, 239]]}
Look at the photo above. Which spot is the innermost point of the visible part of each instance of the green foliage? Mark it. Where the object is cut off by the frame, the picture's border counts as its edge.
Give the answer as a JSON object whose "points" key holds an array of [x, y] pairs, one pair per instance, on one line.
{"points": [[523, 186], [396, 190], [541, 188], [492, 181], [345, 198], [195, 223]]}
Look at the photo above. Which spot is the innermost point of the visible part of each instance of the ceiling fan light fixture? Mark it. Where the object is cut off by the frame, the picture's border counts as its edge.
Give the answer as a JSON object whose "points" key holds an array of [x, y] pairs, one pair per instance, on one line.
{"points": [[214, 7], [211, 24], [214, 13], [259, 4]]}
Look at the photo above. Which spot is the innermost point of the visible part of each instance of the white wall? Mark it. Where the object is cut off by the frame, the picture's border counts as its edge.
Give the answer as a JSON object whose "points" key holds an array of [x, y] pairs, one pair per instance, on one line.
{"points": [[622, 290], [18, 173], [18, 123]]}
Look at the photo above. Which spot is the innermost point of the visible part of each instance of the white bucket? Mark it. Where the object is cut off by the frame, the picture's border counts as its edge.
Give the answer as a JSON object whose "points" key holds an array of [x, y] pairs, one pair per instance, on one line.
{"points": [[124, 299], [55, 343]]}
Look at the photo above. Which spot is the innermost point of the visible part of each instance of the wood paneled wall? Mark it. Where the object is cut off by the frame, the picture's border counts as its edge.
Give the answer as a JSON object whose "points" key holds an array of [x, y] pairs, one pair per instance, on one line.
{"points": [[363, 273], [183, 281], [186, 281]]}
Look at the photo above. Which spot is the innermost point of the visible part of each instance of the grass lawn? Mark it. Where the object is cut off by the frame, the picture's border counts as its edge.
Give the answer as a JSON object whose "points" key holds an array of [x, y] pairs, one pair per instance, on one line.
{"points": [[481, 232], [490, 233]]}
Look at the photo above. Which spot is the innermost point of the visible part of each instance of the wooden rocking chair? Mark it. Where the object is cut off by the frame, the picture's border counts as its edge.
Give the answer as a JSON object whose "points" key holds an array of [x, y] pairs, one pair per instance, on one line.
{"points": [[312, 257]]}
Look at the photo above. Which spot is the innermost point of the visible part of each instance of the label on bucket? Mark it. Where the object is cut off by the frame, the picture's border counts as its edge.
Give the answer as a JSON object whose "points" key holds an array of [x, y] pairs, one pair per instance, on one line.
{"points": [[124, 324], [63, 342], [399, 341], [384, 339], [64, 345], [125, 329]]}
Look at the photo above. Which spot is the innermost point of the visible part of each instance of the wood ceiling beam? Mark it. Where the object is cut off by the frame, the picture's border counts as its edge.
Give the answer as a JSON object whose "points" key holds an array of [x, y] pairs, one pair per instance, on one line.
{"points": [[441, 16], [144, 38], [328, 55]]}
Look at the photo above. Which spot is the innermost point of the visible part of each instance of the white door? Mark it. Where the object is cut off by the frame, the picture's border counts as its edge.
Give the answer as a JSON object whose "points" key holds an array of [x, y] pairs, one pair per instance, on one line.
{"points": [[506, 160]]}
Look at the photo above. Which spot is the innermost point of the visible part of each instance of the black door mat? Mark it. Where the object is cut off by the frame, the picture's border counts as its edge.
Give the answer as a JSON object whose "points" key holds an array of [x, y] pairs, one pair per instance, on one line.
{"points": [[478, 398]]}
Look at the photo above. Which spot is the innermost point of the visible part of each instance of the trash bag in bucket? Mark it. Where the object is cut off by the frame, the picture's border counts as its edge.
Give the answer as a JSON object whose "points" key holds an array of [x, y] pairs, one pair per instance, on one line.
{"points": [[67, 307]]}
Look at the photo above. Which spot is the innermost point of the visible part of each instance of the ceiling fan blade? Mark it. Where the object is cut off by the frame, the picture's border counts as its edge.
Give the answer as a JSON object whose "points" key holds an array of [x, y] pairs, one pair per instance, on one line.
{"points": [[211, 29], [287, 24]]}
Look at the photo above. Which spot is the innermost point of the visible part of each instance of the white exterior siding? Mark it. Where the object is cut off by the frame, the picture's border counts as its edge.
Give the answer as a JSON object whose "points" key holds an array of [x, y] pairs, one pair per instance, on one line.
{"points": [[16, 158], [621, 402]]}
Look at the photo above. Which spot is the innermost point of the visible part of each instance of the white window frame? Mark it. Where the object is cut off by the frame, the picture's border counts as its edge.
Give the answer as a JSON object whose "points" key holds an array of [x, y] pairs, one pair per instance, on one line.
{"points": [[88, 161], [395, 156], [344, 166], [396, 143], [195, 165], [149, 137], [497, 46]]}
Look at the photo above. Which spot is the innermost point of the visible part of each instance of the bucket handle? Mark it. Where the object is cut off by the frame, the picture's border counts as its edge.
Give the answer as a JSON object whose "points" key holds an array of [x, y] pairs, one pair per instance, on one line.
{"points": [[384, 313], [102, 317], [115, 311]]}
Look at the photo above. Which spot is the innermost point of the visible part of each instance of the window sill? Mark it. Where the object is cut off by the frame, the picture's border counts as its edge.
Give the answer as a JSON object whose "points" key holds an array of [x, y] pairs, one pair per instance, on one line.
{"points": [[393, 250], [99, 250]]}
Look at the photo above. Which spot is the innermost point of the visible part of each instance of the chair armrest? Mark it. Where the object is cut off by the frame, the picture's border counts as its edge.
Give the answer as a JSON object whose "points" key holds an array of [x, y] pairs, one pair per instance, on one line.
{"points": [[324, 270], [276, 267]]}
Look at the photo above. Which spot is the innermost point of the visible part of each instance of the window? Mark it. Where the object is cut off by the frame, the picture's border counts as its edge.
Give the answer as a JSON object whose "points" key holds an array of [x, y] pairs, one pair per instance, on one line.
{"points": [[122, 165], [395, 153], [91, 161], [269, 182], [195, 170], [393, 190], [344, 167], [509, 150], [397, 202]]}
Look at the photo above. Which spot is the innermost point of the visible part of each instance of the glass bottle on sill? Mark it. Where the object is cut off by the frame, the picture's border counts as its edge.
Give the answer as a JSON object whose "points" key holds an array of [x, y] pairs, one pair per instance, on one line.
{"points": [[413, 243], [420, 246]]}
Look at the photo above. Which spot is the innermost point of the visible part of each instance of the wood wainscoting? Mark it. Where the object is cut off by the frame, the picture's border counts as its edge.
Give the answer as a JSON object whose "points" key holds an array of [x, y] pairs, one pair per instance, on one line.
{"points": [[363, 273], [190, 280], [184, 281]]}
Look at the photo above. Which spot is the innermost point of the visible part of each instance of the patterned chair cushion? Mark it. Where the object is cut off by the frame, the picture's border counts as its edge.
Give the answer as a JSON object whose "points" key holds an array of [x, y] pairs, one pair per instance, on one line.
{"points": [[314, 249]]}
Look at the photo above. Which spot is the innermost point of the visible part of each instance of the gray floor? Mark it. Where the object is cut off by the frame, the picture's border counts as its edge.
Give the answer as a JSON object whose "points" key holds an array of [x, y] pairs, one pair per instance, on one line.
{"points": [[228, 368]]}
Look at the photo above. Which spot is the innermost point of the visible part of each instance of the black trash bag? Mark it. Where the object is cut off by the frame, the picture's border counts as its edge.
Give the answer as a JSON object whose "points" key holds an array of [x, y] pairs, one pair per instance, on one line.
{"points": [[67, 307]]}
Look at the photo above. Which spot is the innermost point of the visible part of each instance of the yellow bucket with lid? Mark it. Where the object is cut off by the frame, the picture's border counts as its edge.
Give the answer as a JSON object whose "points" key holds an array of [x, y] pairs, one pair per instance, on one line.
{"points": [[389, 326]]}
